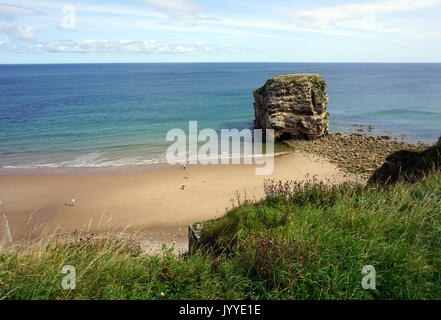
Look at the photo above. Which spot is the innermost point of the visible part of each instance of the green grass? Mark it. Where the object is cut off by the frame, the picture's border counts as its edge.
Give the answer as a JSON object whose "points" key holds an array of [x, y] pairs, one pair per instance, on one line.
{"points": [[304, 241], [295, 80]]}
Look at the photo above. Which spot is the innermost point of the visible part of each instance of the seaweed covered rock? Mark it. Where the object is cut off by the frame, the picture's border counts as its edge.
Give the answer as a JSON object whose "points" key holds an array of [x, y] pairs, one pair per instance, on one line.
{"points": [[406, 165], [294, 105]]}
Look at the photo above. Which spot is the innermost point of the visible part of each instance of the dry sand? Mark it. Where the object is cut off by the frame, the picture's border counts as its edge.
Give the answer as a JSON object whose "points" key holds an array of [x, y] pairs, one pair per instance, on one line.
{"points": [[142, 199]]}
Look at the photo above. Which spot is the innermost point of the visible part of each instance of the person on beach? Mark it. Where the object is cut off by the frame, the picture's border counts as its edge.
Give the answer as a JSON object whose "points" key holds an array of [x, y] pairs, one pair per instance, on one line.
{"points": [[73, 202], [185, 166], [183, 187]]}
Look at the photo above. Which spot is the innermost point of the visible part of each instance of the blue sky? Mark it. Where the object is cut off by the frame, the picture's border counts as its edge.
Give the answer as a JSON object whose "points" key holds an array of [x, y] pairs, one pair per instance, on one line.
{"points": [[50, 31]]}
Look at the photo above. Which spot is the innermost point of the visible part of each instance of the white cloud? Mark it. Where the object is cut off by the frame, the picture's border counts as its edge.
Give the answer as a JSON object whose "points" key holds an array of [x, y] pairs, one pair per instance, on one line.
{"points": [[26, 33], [123, 46], [328, 17], [178, 9], [9, 11], [4, 42], [23, 33], [105, 8], [178, 24], [8, 27]]}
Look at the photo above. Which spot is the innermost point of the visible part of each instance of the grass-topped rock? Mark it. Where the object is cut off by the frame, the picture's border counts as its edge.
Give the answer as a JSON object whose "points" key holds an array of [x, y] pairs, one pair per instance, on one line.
{"points": [[408, 165], [294, 105]]}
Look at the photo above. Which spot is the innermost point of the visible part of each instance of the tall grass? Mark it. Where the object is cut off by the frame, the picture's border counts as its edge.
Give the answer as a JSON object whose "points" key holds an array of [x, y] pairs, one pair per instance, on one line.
{"points": [[304, 241]]}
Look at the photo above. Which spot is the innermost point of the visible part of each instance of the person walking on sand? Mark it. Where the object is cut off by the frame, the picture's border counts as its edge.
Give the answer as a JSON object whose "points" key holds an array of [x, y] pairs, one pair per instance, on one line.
{"points": [[73, 202]]}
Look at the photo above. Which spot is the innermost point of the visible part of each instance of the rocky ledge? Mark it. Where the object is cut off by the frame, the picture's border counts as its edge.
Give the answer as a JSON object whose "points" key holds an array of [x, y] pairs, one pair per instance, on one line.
{"points": [[294, 105], [355, 153]]}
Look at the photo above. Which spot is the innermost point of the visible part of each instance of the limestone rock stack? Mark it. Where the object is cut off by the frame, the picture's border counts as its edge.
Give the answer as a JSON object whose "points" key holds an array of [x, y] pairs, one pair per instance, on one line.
{"points": [[294, 105]]}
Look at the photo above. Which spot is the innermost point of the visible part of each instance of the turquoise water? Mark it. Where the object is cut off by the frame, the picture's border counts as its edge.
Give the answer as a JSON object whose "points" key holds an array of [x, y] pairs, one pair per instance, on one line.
{"points": [[119, 114]]}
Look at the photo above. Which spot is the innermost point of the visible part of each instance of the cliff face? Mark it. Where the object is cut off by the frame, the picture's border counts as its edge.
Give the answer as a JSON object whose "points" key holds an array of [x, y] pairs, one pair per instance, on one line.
{"points": [[294, 105]]}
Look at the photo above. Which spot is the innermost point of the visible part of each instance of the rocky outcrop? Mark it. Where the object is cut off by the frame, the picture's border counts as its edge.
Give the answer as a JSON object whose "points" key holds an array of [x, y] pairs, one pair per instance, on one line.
{"points": [[355, 153], [294, 105], [194, 237], [408, 165]]}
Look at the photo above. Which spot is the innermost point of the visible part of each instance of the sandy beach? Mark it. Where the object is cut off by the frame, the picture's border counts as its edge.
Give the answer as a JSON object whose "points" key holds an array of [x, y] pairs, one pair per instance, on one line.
{"points": [[141, 199]]}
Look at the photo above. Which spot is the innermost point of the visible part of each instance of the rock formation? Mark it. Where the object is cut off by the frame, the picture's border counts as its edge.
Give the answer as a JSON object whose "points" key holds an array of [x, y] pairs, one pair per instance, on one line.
{"points": [[408, 165], [294, 105], [194, 237]]}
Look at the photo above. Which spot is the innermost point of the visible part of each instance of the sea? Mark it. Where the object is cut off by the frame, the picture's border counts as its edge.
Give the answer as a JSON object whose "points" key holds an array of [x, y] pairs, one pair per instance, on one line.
{"points": [[111, 115]]}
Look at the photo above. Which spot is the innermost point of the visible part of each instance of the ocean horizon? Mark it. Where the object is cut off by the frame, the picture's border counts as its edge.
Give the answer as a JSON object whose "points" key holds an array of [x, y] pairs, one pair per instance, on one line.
{"points": [[112, 114]]}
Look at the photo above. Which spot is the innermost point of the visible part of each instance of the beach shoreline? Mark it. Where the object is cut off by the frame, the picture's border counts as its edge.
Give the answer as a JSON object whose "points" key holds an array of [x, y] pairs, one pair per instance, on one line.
{"points": [[151, 198], [111, 170], [142, 198], [86, 170]]}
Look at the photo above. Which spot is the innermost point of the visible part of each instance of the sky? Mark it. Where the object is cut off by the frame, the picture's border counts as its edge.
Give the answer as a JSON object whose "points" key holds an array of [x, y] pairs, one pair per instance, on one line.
{"points": [[49, 31]]}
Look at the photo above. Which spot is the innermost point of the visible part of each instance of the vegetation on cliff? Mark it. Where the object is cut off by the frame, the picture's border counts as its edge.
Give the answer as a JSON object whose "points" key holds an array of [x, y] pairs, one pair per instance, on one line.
{"points": [[293, 80], [408, 165], [304, 241]]}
